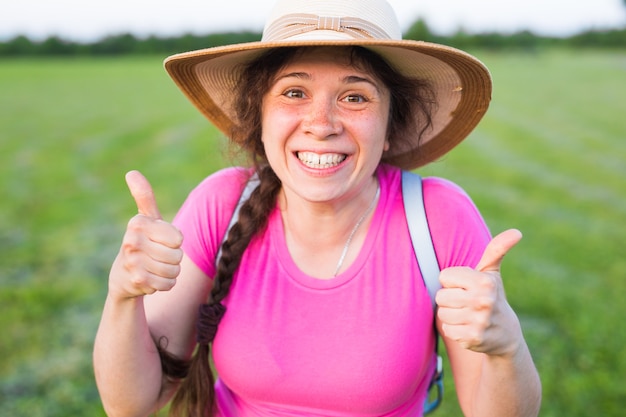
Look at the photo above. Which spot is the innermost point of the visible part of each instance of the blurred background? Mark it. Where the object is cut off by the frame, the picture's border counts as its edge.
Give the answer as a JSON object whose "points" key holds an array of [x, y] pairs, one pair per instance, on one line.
{"points": [[84, 99]]}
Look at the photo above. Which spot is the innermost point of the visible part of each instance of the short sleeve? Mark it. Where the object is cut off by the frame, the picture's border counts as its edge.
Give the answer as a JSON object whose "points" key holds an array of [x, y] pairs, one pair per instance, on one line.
{"points": [[460, 234], [204, 216]]}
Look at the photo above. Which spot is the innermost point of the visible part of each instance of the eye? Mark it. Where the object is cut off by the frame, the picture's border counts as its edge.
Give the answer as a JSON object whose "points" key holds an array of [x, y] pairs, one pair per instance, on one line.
{"points": [[294, 93], [355, 98]]}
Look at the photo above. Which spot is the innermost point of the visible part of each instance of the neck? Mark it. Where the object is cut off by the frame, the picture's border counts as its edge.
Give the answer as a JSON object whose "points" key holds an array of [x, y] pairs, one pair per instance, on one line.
{"points": [[354, 230], [323, 239]]}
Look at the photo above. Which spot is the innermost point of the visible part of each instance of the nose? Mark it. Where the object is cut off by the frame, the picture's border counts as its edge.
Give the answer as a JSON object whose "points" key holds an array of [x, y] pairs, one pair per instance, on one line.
{"points": [[322, 119]]}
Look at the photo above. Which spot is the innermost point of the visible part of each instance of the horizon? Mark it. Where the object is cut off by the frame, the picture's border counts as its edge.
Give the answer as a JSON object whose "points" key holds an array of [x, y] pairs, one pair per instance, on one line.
{"points": [[74, 20]]}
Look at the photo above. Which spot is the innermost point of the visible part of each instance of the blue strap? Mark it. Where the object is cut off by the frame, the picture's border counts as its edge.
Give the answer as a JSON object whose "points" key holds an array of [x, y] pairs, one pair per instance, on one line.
{"points": [[421, 239], [252, 183], [420, 232]]}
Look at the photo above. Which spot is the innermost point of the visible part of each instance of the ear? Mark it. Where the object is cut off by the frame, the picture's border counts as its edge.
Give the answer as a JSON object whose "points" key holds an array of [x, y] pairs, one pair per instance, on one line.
{"points": [[386, 146]]}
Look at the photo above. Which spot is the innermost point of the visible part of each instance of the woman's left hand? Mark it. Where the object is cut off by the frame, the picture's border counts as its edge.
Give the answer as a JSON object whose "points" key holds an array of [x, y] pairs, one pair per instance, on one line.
{"points": [[473, 309]]}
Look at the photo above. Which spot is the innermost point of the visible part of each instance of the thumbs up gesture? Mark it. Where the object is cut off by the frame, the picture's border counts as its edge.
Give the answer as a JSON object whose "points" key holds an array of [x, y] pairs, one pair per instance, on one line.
{"points": [[150, 256], [473, 309]]}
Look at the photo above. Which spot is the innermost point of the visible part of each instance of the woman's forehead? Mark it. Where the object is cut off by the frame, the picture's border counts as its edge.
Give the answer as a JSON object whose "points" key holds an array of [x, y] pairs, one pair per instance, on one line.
{"points": [[327, 56]]}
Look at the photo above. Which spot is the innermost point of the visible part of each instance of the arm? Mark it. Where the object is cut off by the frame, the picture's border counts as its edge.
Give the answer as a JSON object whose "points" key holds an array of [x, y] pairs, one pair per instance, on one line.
{"points": [[153, 292], [493, 370]]}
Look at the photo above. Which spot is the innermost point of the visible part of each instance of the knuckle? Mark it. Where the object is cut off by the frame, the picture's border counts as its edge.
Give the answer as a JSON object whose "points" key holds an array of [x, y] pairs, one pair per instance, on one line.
{"points": [[138, 280], [485, 302], [475, 336], [487, 282], [132, 238], [130, 244], [482, 322], [136, 223], [130, 261]]}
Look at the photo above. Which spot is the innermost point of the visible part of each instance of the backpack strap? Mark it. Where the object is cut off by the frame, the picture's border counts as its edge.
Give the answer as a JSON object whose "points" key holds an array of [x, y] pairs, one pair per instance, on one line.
{"points": [[413, 197], [251, 184]]}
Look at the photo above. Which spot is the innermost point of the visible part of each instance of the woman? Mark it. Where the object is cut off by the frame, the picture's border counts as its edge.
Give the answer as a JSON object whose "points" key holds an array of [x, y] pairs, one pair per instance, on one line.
{"points": [[314, 303]]}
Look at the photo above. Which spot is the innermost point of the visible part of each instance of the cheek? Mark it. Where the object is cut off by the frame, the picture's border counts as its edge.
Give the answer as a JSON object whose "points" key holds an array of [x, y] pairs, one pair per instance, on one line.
{"points": [[277, 120], [376, 127], [276, 129]]}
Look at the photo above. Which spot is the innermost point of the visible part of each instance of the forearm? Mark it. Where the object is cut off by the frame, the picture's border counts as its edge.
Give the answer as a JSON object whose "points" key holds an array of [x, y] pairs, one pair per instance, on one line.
{"points": [[126, 362], [508, 386]]}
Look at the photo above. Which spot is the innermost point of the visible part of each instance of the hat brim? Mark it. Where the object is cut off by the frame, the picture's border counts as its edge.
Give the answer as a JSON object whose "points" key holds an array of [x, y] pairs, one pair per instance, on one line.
{"points": [[461, 83]]}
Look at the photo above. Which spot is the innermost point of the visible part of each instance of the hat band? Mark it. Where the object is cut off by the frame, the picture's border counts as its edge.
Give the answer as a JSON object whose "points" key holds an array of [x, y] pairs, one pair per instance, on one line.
{"points": [[298, 23]]}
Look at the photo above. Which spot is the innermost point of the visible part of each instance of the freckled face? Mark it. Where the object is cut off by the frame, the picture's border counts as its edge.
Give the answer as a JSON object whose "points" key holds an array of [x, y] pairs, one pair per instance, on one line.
{"points": [[325, 125]]}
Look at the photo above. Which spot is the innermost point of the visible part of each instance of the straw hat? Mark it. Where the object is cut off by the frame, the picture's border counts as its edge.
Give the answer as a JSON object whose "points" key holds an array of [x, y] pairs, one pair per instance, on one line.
{"points": [[462, 84]]}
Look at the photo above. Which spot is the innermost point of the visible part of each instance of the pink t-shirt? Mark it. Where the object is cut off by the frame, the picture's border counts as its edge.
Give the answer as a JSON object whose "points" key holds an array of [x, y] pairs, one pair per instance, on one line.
{"points": [[360, 344]]}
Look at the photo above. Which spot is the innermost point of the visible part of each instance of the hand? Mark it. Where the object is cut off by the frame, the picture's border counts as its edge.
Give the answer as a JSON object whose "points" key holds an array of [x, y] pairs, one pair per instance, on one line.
{"points": [[150, 256], [473, 309]]}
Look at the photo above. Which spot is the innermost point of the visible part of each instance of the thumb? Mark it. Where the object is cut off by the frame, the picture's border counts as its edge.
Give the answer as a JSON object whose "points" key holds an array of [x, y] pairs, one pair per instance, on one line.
{"points": [[141, 190], [497, 249]]}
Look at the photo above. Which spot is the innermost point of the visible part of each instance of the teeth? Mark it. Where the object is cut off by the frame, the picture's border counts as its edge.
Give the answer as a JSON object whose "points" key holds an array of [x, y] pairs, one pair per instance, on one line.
{"points": [[327, 160]]}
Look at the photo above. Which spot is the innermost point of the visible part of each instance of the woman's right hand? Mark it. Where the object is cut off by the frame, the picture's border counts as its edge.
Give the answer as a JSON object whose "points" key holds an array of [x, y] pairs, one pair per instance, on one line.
{"points": [[150, 255]]}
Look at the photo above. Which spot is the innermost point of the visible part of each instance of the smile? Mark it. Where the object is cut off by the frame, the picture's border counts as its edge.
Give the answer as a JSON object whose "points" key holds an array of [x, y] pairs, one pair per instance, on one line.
{"points": [[327, 160]]}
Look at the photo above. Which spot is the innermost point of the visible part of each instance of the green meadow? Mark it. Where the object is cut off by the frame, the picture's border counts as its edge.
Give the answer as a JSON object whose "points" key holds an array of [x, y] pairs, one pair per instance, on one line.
{"points": [[549, 158]]}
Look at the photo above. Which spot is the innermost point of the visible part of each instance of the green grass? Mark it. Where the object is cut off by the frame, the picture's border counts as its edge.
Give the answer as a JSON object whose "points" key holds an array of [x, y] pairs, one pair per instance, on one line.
{"points": [[70, 130], [549, 158]]}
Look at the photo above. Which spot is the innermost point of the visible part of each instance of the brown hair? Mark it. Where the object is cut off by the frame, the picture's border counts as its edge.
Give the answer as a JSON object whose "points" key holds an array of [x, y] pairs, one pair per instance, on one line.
{"points": [[195, 396]]}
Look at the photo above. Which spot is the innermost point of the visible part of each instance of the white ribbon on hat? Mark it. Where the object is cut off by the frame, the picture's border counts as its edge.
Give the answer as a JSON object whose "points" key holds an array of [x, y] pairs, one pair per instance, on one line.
{"points": [[297, 23]]}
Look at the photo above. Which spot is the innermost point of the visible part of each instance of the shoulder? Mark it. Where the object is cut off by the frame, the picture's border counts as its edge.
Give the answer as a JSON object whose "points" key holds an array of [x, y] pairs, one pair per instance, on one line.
{"points": [[458, 229], [445, 194], [225, 184], [441, 197], [216, 195], [206, 213], [219, 191]]}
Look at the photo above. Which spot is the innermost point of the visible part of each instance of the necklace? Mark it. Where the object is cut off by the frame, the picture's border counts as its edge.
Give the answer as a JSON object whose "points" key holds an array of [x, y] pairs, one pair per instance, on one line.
{"points": [[354, 229]]}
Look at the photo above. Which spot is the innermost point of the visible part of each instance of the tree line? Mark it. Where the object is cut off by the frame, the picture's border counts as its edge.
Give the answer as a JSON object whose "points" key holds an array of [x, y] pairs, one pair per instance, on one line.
{"points": [[123, 44]]}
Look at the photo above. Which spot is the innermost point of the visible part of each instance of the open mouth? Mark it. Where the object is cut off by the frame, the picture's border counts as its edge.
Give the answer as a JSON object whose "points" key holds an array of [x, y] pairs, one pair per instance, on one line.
{"points": [[326, 160]]}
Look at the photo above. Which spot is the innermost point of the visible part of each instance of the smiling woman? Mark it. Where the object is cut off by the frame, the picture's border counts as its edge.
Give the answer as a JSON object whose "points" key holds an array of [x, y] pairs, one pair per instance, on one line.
{"points": [[321, 106], [316, 303]]}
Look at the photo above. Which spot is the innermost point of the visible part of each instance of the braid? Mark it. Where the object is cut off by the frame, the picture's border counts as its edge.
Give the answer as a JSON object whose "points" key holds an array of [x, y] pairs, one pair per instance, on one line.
{"points": [[196, 395], [253, 216]]}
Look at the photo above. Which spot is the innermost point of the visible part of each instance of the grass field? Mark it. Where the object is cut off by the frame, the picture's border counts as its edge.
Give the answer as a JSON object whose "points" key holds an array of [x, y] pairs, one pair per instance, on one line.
{"points": [[549, 159]]}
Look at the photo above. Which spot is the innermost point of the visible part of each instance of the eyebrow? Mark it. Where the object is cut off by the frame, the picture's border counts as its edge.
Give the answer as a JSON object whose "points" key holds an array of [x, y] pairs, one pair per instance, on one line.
{"points": [[352, 79]]}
